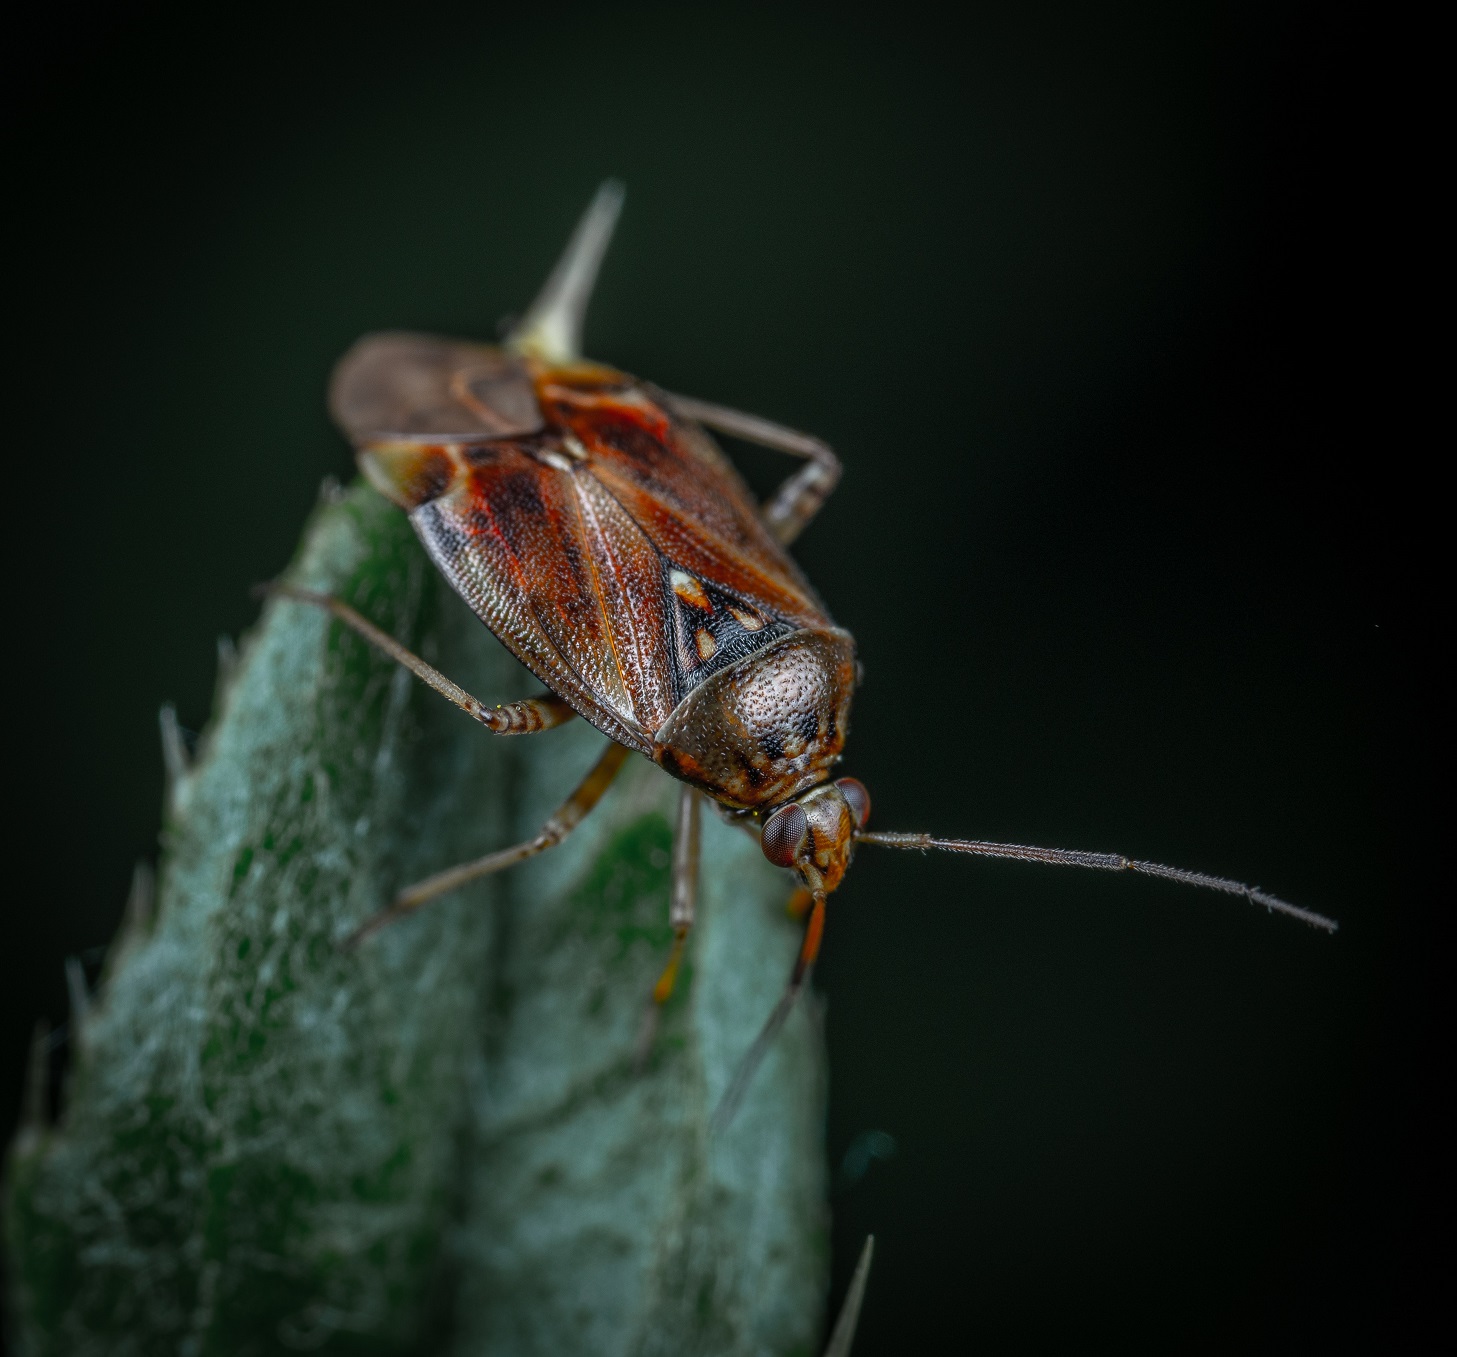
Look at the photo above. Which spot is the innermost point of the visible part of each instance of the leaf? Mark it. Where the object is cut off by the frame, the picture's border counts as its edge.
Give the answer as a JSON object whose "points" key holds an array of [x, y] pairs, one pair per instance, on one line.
{"points": [[436, 1143]]}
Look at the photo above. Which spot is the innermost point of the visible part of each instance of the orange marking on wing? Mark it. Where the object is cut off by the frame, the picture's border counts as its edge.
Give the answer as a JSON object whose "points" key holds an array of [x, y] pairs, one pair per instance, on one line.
{"points": [[630, 406], [410, 474], [691, 591]]}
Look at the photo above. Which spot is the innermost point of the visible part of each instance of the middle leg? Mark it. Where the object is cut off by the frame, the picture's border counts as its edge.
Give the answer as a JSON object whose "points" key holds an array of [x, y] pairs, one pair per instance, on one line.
{"points": [[683, 900], [682, 907], [566, 818]]}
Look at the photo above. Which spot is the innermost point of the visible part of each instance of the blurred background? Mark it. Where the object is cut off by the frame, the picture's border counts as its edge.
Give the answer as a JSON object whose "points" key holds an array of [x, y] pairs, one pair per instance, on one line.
{"points": [[1076, 293]]}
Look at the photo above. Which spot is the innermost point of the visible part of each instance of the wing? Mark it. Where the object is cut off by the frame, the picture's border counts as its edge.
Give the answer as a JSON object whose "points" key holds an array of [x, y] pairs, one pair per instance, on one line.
{"points": [[561, 575], [402, 385], [615, 552], [729, 587], [679, 488]]}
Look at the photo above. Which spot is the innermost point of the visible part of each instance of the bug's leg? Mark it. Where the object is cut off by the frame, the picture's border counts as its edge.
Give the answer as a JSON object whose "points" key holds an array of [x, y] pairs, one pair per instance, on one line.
{"points": [[513, 718], [683, 901], [798, 500], [564, 819], [797, 906], [682, 906]]}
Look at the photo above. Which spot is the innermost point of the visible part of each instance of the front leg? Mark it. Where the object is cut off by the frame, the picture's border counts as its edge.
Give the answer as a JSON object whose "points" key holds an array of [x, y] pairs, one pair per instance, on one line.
{"points": [[526, 717]]}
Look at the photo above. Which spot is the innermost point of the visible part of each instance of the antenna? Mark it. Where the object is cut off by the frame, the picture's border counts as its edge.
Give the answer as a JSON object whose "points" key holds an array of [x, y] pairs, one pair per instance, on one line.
{"points": [[552, 328], [1105, 862], [754, 1056]]}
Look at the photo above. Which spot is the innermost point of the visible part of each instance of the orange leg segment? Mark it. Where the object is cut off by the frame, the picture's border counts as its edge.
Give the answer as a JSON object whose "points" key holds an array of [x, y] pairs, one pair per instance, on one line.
{"points": [[663, 990], [813, 935], [797, 906]]}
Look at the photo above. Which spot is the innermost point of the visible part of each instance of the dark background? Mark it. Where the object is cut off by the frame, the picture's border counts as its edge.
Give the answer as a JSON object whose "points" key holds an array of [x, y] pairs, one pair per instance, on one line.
{"points": [[1080, 295]]}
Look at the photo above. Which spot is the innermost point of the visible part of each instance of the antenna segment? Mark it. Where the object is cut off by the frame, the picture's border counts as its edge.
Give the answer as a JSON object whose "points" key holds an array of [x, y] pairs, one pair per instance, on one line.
{"points": [[1104, 862]]}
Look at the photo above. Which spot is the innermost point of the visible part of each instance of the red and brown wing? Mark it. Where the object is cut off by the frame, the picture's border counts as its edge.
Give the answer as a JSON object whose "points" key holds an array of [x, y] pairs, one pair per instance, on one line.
{"points": [[561, 574], [679, 488], [615, 552]]}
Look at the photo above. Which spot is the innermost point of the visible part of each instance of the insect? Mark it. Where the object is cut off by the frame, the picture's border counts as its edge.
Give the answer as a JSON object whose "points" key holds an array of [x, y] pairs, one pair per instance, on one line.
{"points": [[594, 526]]}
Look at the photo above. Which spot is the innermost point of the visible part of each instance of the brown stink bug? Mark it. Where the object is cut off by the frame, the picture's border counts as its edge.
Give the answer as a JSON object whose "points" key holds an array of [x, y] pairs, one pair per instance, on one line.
{"points": [[595, 527]]}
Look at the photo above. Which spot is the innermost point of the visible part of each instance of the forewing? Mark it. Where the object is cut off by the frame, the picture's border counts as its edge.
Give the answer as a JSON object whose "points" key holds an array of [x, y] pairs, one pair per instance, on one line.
{"points": [[685, 496], [629, 585], [615, 551], [561, 574], [401, 385]]}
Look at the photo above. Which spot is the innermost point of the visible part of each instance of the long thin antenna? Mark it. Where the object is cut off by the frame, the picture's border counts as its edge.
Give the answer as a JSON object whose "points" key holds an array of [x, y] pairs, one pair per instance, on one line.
{"points": [[1105, 862], [754, 1056], [552, 328], [809, 949]]}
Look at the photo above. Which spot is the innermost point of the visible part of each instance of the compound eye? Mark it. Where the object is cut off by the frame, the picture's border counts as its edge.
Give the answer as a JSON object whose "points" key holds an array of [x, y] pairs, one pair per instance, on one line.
{"points": [[853, 790], [784, 831]]}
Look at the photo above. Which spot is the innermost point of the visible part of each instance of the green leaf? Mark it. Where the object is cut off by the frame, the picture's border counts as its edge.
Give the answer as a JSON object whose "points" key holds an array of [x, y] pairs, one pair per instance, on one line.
{"points": [[437, 1143]]}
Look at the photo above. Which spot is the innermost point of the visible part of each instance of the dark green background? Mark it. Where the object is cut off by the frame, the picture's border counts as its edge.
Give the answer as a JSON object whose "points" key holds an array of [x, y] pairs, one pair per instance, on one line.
{"points": [[1076, 294]]}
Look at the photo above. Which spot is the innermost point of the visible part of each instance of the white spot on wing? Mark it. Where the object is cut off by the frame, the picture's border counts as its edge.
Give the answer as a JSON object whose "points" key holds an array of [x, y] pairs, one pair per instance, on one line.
{"points": [[748, 621], [689, 590], [553, 458]]}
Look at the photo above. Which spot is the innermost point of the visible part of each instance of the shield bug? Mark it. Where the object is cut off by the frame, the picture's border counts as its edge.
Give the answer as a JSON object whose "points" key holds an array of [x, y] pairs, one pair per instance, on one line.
{"points": [[593, 525]]}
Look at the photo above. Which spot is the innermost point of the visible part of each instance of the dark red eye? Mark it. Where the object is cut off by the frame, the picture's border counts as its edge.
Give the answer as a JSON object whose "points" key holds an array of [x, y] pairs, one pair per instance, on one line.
{"points": [[853, 790], [784, 831]]}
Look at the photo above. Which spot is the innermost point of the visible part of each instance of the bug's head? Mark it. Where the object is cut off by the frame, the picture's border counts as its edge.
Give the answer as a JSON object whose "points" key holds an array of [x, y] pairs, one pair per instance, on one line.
{"points": [[815, 833]]}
